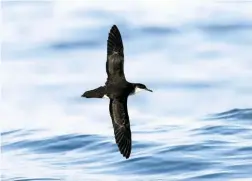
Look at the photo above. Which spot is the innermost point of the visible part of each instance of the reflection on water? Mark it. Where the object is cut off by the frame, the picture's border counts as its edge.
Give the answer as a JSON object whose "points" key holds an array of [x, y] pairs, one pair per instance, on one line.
{"points": [[197, 62]]}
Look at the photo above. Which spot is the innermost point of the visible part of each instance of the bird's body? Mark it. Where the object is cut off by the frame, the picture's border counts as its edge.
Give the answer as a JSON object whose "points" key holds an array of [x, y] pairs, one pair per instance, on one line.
{"points": [[112, 90], [117, 89]]}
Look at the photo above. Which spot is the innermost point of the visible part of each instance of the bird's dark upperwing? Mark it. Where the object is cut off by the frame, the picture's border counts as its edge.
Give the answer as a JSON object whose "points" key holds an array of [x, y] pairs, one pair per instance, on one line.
{"points": [[115, 56], [120, 119]]}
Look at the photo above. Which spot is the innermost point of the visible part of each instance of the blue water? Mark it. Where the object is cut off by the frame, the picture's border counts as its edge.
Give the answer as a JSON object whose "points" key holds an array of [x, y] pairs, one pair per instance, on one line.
{"points": [[196, 125]]}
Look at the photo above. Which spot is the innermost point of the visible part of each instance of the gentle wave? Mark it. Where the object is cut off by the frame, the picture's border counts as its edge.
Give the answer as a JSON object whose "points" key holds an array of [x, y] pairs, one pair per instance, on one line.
{"points": [[238, 114], [147, 158]]}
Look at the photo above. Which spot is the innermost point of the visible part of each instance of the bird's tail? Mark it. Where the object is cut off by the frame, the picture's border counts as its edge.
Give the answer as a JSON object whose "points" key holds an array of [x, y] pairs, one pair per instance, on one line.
{"points": [[95, 93]]}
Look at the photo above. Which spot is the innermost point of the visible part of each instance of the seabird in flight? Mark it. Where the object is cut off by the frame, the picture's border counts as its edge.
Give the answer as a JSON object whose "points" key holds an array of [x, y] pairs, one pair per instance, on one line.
{"points": [[117, 89]]}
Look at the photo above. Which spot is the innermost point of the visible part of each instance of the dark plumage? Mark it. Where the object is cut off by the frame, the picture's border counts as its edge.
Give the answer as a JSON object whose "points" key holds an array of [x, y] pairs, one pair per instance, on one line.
{"points": [[117, 89], [115, 57]]}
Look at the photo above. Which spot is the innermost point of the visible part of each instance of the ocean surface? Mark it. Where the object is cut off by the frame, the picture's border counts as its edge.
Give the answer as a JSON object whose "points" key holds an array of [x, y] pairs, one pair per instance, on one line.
{"points": [[196, 125]]}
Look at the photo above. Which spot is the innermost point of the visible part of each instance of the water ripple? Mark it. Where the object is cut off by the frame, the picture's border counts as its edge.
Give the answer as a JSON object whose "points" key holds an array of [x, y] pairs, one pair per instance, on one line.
{"points": [[57, 144], [242, 114], [202, 63]]}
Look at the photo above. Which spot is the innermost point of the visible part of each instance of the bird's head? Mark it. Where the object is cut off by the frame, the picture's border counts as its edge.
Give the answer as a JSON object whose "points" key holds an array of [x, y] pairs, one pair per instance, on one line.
{"points": [[140, 87]]}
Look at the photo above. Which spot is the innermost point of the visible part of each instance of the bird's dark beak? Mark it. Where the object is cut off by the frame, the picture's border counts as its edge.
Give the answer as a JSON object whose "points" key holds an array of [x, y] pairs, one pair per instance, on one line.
{"points": [[148, 90]]}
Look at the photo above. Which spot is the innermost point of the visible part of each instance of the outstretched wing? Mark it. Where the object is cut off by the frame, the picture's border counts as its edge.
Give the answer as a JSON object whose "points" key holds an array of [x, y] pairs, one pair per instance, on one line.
{"points": [[115, 56], [120, 119]]}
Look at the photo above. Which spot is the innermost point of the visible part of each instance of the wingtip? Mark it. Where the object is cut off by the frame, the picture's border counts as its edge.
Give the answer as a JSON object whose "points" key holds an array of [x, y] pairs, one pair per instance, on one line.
{"points": [[114, 29], [126, 154], [127, 157], [114, 42], [114, 26]]}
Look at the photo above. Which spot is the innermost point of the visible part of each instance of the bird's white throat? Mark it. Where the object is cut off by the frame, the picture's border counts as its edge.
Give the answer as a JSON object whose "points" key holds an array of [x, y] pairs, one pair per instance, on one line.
{"points": [[105, 96], [137, 90]]}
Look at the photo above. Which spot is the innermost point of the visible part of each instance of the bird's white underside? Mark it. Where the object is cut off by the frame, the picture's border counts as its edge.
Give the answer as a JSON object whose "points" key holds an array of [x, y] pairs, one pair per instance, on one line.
{"points": [[135, 91]]}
